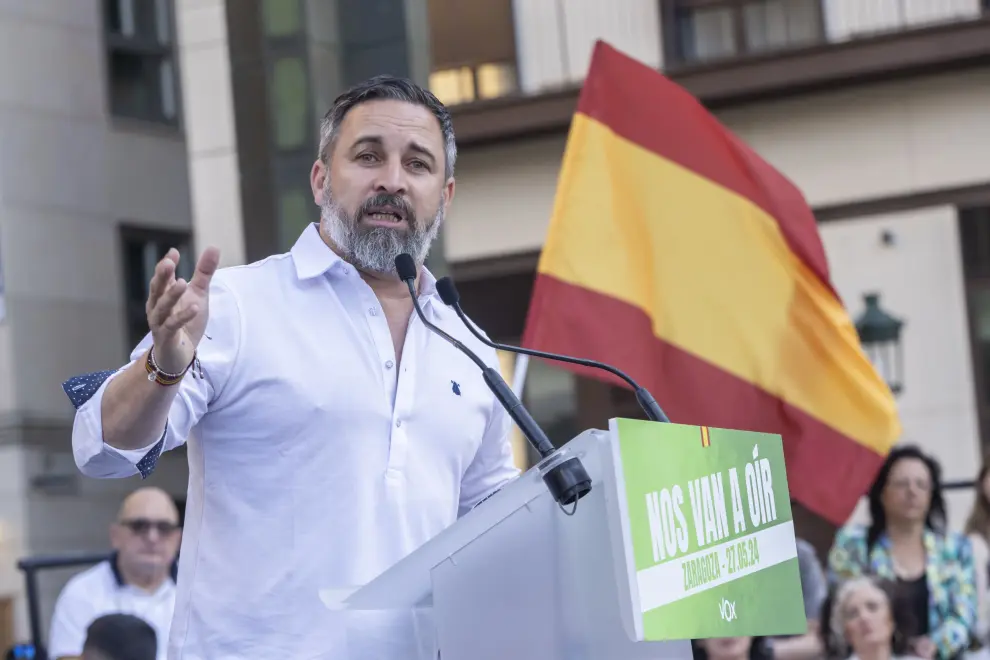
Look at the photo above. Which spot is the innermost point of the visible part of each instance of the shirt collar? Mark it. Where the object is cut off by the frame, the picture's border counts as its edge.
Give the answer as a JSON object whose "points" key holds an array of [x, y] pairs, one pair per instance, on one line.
{"points": [[427, 284], [311, 255], [313, 258], [118, 576]]}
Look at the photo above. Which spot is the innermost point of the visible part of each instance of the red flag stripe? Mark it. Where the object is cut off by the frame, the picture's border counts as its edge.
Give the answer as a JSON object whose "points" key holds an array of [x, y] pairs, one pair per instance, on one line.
{"points": [[628, 96]]}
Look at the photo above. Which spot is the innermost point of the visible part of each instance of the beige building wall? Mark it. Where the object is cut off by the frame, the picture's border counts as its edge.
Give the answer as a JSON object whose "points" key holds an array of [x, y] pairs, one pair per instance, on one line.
{"points": [[860, 144], [503, 199], [554, 40], [208, 118], [69, 175], [878, 141], [920, 279]]}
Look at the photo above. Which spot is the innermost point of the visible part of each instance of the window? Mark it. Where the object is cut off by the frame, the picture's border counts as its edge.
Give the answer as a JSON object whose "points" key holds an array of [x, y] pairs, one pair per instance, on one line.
{"points": [[705, 30], [290, 97], [453, 86], [295, 212], [781, 24], [281, 18], [466, 84], [472, 46], [974, 231], [143, 249], [141, 69]]}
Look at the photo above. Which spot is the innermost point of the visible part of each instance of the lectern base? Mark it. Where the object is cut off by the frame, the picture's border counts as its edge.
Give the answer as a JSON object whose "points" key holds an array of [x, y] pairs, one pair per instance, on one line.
{"points": [[539, 560], [519, 578]]}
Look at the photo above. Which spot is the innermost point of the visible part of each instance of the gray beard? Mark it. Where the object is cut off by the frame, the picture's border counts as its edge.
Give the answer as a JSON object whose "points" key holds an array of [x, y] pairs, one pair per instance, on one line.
{"points": [[375, 249]]}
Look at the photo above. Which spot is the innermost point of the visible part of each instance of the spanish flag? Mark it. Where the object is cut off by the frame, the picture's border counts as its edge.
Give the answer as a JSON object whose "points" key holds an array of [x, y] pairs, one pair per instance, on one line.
{"points": [[679, 255]]}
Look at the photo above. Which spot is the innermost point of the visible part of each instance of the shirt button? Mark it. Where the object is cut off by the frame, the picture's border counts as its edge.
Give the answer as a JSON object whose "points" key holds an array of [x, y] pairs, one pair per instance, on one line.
{"points": [[373, 311], [389, 364], [398, 423]]}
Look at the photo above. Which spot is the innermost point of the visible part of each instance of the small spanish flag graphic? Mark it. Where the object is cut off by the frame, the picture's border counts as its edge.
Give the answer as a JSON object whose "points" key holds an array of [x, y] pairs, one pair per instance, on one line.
{"points": [[706, 440]]}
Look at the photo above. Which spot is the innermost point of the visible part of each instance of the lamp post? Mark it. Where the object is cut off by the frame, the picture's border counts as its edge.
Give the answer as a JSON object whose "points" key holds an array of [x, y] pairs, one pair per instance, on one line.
{"points": [[880, 335]]}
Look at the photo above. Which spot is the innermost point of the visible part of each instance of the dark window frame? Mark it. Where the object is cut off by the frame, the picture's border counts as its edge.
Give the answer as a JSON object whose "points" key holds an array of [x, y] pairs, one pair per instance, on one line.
{"points": [[150, 52], [290, 164], [474, 63], [974, 238], [675, 19], [131, 236]]}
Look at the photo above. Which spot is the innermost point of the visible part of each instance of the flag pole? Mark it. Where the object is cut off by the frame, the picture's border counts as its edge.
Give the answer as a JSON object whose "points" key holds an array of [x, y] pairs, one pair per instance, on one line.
{"points": [[519, 375]]}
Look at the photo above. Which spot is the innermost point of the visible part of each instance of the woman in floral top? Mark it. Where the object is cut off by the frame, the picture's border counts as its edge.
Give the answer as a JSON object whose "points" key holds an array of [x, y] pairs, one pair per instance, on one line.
{"points": [[906, 542]]}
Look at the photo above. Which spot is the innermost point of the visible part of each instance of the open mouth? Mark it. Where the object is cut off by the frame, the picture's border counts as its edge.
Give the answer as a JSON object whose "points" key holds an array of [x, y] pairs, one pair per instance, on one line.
{"points": [[385, 215]]}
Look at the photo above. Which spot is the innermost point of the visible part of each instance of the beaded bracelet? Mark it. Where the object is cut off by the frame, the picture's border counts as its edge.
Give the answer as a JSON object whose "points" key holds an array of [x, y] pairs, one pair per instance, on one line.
{"points": [[156, 374]]}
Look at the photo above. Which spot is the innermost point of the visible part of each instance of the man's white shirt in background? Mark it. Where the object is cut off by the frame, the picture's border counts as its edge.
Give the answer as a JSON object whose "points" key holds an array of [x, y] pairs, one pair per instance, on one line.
{"points": [[317, 460], [101, 590]]}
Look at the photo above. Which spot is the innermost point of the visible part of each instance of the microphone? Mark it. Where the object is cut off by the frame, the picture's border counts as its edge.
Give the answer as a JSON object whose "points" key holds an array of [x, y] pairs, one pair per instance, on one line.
{"points": [[567, 481], [448, 293]]}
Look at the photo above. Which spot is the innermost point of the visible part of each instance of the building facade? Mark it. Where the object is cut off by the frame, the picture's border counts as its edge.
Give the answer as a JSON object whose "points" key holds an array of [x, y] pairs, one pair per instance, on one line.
{"points": [[129, 126], [93, 176]]}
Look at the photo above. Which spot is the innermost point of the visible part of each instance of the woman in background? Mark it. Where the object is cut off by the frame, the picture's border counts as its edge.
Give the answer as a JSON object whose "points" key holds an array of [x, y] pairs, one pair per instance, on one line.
{"points": [[978, 532], [868, 621], [906, 542], [731, 648]]}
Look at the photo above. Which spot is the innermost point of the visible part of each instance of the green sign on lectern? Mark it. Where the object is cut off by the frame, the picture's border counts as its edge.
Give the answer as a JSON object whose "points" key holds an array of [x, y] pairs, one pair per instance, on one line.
{"points": [[708, 532]]}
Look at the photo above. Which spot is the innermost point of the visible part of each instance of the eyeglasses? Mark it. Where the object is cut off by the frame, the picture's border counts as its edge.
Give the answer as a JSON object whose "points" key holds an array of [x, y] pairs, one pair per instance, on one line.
{"points": [[142, 526], [904, 484]]}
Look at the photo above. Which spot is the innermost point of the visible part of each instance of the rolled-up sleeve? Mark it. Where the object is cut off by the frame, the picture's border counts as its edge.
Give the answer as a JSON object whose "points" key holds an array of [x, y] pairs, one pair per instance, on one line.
{"points": [[217, 354]]}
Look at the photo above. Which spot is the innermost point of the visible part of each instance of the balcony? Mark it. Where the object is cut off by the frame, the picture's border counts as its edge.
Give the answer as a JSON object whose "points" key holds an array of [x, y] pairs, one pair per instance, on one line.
{"points": [[509, 68]]}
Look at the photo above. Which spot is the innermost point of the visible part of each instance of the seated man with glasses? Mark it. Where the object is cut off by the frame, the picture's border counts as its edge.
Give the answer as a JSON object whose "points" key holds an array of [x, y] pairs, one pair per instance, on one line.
{"points": [[138, 579]]}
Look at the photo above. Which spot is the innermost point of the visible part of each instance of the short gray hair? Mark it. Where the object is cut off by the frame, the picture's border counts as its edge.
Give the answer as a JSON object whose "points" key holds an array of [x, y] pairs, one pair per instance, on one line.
{"points": [[392, 89]]}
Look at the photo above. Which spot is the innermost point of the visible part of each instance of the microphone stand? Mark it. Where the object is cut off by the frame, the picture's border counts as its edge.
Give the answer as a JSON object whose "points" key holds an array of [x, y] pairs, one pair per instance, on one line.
{"points": [[654, 412], [567, 481]]}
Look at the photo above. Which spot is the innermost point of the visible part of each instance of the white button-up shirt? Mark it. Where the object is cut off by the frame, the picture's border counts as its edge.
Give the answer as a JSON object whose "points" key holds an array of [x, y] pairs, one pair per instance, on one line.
{"points": [[316, 459], [101, 590]]}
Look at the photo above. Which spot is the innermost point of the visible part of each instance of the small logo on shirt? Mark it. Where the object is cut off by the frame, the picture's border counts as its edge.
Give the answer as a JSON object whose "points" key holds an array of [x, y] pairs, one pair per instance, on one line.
{"points": [[455, 387]]}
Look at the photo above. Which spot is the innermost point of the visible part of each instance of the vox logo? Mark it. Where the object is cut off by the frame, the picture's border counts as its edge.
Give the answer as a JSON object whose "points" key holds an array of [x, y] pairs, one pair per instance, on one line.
{"points": [[727, 609]]}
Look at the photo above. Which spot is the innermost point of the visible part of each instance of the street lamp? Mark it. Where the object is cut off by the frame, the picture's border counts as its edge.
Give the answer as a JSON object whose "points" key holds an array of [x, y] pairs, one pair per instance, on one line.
{"points": [[880, 335]]}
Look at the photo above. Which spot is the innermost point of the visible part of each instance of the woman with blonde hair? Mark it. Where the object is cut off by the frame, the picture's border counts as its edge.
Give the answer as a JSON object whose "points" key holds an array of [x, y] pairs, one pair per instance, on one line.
{"points": [[867, 619]]}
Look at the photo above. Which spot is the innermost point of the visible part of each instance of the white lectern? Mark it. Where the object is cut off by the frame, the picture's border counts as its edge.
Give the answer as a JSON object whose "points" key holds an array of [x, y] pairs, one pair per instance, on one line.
{"points": [[520, 578]]}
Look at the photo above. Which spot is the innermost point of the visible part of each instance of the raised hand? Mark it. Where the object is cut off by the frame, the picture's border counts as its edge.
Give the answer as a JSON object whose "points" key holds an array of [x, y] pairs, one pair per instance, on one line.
{"points": [[178, 310]]}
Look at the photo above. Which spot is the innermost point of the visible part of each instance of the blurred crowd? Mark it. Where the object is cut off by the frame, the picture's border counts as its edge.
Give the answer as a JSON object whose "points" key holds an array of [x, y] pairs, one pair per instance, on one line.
{"points": [[899, 587]]}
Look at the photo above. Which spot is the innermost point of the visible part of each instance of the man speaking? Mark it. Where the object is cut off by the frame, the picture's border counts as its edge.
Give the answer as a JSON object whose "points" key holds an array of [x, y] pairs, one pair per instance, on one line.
{"points": [[333, 433]]}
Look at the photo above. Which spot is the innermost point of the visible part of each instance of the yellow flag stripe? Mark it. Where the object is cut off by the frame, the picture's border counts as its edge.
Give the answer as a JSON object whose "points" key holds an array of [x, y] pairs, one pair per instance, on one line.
{"points": [[716, 278]]}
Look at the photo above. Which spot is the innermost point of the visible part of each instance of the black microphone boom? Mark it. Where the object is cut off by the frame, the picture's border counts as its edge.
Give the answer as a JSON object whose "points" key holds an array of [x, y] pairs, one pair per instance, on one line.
{"points": [[448, 293], [567, 481]]}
